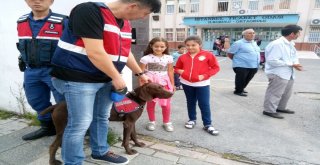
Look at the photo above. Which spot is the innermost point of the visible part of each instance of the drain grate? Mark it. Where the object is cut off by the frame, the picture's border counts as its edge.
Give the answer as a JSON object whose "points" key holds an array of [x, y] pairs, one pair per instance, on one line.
{"points": [[310, 95]]}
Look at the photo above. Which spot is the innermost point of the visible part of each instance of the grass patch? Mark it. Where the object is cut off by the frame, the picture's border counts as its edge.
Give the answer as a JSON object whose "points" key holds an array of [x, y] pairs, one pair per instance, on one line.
{"points": [[6, 114], [33, 119], [112, 137], [29, 116], [236, 157]]}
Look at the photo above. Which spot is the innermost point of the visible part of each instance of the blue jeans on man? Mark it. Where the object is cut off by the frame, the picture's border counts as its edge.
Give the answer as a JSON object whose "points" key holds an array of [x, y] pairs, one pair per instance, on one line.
{"points": [[38, 87], [89, 107]]}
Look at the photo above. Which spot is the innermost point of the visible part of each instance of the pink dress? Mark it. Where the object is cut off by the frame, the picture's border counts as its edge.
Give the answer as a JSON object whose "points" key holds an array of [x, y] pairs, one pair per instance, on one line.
{"points": [[157, 71]]}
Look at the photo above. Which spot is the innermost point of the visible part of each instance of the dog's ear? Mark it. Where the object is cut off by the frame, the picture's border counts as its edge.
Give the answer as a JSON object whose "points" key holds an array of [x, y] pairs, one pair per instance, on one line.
{"points": [[144, 93]]}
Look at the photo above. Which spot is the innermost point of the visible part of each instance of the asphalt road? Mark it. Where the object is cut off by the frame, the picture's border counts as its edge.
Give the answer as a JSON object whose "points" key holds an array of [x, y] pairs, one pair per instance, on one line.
{"points": [[243, 129]]}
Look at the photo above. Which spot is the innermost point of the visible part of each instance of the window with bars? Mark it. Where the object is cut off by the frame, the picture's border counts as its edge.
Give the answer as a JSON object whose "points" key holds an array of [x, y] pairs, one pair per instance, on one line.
{"points": [[194, 6], [222, 5], [169, 34], [170, 6], [268, 4], [156, 32], [182, 6], [181, 34], [314, 34], [317, 4], [253, 5], [284, 4]]}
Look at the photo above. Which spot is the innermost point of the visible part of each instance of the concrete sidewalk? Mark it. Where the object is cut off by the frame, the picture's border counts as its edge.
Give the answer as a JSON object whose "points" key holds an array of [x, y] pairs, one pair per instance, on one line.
{"points": [[243, 129], [15, 151]]}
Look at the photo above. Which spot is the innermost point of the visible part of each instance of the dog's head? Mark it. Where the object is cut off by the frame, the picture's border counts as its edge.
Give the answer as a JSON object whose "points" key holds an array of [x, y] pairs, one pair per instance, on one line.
{"points": [[149, 91]]}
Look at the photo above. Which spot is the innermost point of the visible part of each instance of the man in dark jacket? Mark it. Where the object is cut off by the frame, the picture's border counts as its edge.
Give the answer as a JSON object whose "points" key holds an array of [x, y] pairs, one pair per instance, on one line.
{"points": [[38, 33]]}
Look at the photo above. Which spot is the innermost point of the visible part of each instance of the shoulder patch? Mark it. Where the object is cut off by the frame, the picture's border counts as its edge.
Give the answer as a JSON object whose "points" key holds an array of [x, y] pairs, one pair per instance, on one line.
{"points": [[23, 18], [56, 18]]}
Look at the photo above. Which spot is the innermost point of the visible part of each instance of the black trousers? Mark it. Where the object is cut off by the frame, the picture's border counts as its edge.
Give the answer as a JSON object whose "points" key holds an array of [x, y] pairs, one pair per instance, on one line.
{"points": [[243, 77]]}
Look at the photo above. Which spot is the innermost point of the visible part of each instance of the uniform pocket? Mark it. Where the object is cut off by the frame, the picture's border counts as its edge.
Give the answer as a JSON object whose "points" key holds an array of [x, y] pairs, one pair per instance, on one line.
{"points": [[46, 50]]}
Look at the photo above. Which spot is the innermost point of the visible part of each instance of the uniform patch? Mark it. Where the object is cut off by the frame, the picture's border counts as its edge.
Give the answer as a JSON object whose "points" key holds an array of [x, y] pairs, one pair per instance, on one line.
{"points": [[51, 32], [201, 58], [51, 26]]}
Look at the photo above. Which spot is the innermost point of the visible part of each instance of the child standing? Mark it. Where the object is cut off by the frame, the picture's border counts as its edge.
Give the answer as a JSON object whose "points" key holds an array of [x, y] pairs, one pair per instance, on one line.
{"points": [[158, 65], [196, 67], [181, 50]]}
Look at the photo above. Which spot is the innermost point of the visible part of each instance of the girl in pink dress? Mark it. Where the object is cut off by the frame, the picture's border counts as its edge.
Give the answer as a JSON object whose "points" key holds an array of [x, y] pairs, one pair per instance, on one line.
{"points": [[158, 65]]}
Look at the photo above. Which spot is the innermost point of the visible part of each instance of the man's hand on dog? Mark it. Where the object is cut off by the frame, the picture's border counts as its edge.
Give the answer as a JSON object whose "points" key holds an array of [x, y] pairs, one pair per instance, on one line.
{"points": [[144, 79]]}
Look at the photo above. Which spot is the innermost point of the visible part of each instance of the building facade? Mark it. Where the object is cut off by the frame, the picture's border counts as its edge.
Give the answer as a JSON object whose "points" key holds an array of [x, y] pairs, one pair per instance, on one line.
{"points": [[213, 18]]}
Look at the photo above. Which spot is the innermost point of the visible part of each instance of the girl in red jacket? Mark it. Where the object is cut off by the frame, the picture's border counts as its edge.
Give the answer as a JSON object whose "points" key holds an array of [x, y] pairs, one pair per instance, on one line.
{"points": [[196, 67]]}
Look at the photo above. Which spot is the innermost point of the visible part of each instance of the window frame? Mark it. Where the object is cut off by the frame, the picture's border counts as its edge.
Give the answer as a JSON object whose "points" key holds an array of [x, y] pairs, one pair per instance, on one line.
{"points": [[223, 5], [182, 6], [284, 4], [268, 5], [194, 6], [182, 32], [156, 32], [168, 31], [317, 4], [170, 7], [253, 5]]}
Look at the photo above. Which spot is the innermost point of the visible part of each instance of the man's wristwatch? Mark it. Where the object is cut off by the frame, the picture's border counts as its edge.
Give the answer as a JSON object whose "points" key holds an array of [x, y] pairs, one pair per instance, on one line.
{"points": [[139, 74]]}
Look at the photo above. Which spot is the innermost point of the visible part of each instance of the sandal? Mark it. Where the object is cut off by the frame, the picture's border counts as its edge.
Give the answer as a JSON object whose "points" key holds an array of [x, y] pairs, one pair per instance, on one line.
{"points": [[210, 129], [190, 124]]}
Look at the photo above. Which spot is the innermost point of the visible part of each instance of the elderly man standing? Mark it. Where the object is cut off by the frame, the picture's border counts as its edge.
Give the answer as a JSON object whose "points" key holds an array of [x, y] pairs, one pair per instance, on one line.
{"points": [[281, 60], [245, 55]]}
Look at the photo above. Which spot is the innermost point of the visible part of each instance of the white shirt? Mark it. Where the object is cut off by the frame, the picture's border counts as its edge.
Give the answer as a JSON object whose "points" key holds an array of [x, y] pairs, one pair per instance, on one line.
{"points": [[280, 56], [163, 61]]}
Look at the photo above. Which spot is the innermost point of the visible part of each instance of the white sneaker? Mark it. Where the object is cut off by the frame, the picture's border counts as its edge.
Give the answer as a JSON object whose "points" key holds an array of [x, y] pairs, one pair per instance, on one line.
{"points": [[151, 126], [168, 127], [210, 129]]}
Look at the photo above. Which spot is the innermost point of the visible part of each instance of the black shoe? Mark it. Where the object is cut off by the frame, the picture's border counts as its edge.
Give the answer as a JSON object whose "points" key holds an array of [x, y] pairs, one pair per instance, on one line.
{"points": [[47, 129], [240, 94], [285, 111], [111, 158], [274, 115]]}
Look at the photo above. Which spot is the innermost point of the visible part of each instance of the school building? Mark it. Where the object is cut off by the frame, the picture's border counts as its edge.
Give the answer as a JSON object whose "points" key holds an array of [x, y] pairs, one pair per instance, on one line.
{"points": [[213, 18]]}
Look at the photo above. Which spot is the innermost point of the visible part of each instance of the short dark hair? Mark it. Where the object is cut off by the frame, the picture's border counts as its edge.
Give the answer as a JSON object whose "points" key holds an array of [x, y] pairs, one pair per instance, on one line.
{"points": [[181, 46], [196, 39], [154, 5], [287, 30]]}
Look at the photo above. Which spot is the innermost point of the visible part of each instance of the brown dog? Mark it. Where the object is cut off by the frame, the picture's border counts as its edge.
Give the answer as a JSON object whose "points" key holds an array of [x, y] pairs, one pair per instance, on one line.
{"points": [[141, 95]]}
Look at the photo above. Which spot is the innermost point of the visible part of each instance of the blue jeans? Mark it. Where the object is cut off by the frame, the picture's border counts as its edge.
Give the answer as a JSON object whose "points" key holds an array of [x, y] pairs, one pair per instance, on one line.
{"points": [[202, 95], [177, 80], [89, 106], [38, 87]]}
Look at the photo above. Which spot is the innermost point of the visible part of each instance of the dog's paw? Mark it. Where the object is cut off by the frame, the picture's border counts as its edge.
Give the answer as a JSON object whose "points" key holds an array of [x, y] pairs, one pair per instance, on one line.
{"points": [[131, 151], [55, 162], [140, 144]]}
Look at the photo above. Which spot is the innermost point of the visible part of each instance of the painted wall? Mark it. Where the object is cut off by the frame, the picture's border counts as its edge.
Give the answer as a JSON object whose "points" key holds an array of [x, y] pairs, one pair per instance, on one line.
{"points": [[11, 78]]}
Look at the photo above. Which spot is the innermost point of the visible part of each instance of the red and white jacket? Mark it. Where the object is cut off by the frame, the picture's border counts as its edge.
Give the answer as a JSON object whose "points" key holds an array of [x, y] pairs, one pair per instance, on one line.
{"points": [[38, 50], [71, 54], [204, 63]]}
